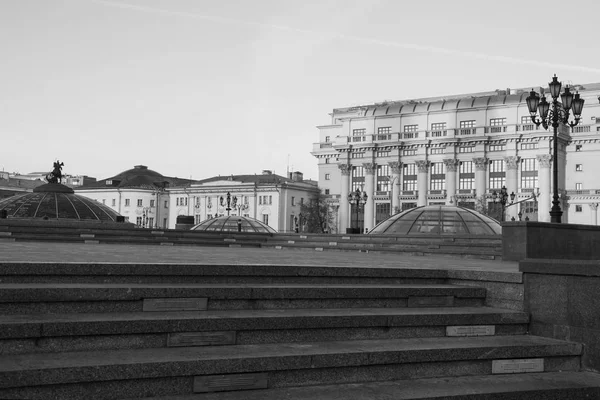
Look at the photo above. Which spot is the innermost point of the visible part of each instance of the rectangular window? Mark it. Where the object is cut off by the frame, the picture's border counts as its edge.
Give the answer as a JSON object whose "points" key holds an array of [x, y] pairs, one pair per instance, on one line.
{"points": [[327, 160], [293, 201], [327, 139], [384, 130], [114, 202], [138, 221], [529, 173], [327, 177], [383, 154], [466, 176], [326, 191], [466, 149], [151, 222], [437, 150], [265, 219], [497, 125], [126, 202], [139, 202], [383, 178], [270, 200], [467, 127], [527, 124], [578, 208], [166, 204], [358, 154], [164, 223], [301, 201], [151, 203], [358, 178], [578, 167], [411, 128], [496, 147], [578, 147], [529, 146], [409, 152], [438, 129], [359, 132], [438, 177], [410, 131], [579, 186], [409, 173], [497, 175]]}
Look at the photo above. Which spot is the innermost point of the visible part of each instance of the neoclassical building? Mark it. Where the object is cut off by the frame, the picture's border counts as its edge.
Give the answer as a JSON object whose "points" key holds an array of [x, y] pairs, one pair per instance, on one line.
{"points": [[459, 150]]}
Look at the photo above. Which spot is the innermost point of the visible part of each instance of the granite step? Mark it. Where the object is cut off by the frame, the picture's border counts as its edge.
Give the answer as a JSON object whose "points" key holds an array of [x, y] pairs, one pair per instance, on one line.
{"points": [[82, 332], [532, 386], [18, 272], [31, 298], [177, 371]]}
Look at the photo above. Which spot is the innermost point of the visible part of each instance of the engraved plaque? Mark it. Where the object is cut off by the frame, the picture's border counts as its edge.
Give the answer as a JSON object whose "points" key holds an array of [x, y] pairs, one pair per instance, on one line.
{"points": [[278, 247], [87, 235], [218, 383], [430, 301], [91, 241], [176, 304], [471, 330], [345, 237], [157, 233], [333, 243], [291, 242], [303, 236], [228, 240], [200, 338], [5, 233], [518, 366], [235, 245], [166, 243], [318, 249]]}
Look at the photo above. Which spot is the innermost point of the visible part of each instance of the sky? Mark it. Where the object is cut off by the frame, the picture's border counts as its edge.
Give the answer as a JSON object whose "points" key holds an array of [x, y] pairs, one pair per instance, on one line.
{"points": [[198, 88]]}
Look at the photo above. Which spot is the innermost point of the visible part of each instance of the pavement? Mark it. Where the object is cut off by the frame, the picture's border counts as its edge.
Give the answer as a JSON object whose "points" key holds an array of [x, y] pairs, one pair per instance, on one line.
{"points": [[122, 253]]}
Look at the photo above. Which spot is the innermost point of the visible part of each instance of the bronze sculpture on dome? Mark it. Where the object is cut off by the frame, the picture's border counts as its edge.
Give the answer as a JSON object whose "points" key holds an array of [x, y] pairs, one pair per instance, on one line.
{"points": [[56, 175]]}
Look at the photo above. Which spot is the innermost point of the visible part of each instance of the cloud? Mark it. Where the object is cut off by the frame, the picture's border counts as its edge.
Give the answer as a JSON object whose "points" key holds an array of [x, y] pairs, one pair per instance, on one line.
{"points": [[407, 46]]}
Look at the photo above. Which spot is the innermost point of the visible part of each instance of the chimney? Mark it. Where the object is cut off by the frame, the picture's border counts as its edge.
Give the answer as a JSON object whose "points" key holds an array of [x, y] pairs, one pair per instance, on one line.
{"points": [[267, 172], [297, 176]]}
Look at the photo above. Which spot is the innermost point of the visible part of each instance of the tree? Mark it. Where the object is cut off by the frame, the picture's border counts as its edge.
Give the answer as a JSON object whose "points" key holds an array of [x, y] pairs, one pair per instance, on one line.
{"points": [[316, 215]]}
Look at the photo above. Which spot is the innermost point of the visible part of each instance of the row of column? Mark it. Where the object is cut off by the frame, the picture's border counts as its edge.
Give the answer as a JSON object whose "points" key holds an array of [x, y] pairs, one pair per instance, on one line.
{"points": [[452, 167]]}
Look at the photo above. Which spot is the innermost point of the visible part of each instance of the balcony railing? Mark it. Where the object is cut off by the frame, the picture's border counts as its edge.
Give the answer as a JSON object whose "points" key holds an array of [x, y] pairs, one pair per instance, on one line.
{"points": [[409, 193], [438, 133], [495, 129], [527, 127], [581, 129], [467, 131], [383, 136], [357, 139], [382, 193], [410, 135]]}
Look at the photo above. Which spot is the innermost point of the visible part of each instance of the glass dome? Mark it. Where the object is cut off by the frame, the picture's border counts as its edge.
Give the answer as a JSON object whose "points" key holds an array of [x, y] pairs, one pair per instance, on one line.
{"points": [[56, 201], [230, 224], [438, 220]]}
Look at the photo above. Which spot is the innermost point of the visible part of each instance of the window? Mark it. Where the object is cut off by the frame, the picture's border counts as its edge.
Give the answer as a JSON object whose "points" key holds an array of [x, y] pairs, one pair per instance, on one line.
{"points": [[578, 147], [266, 219], [497, 125], [409, 172], [496, 147], [578, 208], [579, 186], [150, 222], [384, 130], [527, 124], [358, 135], [438, 150], [497, 174], [270, 199], [466, 176], [301, 201], [358, 154], [327, 160], [467, 127], [126, 202], [139, 202], [327, 177], [529, 146], [138, 221], [578, 167], [466, 149], [383, 178], [151, 203], [326, 191], [438, 177], [438, 129], [529, 173], [114, 202], [166, 203], [409, 152], [410, 131], [327, 139], [358, 178], [164, 223], [293, 201], [383, 153]]}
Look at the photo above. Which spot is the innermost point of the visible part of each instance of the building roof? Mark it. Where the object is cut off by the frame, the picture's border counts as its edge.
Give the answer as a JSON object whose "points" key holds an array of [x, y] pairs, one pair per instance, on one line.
{"points": [[20, 184], [139, 177], [266, 178]]}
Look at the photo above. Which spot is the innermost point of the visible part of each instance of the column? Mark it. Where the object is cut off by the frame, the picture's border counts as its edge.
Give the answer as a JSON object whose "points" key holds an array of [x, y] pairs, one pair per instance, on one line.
{"points": [[512, 184], [396, 168], [451, 168], [370, 171], [423, 168], [594, 208], [545, 200], [344, 190], [481, 164]]}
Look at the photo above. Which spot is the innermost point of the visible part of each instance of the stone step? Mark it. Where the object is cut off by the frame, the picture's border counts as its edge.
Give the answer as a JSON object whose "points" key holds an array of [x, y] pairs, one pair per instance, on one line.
{"points": [[32, 298], [80, 332], [540, 386], [176, 371], [16, 272]]}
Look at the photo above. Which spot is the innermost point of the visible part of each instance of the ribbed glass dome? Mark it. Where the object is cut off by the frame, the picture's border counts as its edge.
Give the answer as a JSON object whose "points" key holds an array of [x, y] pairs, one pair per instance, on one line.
{"points": [[230, 224], [438, 220], [56, 201]]}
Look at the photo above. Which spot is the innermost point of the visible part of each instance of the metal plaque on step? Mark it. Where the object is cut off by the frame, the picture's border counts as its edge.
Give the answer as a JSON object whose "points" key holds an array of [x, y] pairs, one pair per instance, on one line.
{"points": [[218, 383], [201, 338], [471, 330], [175, 304], [518, 366]]}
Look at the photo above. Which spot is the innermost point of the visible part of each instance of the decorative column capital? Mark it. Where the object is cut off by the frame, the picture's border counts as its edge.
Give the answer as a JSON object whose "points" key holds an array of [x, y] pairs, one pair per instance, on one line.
{"points": [[545, 160], [512, 162], [369, 168], [395, 166], [481, 163], [594, 206], [345, 168], [422, 165], [451, 164]]}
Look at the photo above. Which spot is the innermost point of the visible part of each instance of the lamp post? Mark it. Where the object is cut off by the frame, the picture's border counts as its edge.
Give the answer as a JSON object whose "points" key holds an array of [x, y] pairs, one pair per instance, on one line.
{"points": [[240, 205], [145, 216], [228, 199], [554, 116], [357, 198], [503, 197]]}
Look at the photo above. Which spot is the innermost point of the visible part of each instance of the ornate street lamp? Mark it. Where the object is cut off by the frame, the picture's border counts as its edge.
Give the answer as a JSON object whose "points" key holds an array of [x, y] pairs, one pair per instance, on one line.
{"points": [[357, 198], [222, 201], [503, 197], [240, 205], [554, 116]]}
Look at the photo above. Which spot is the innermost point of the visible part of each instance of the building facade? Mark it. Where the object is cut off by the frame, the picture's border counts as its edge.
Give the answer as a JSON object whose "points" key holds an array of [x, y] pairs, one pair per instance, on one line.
{"points": [[272, 199], [459, 150]]}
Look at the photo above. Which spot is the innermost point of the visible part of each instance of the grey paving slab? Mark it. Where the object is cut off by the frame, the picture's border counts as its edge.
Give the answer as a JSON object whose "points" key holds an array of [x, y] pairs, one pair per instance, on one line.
{"points": [[122, 253]]}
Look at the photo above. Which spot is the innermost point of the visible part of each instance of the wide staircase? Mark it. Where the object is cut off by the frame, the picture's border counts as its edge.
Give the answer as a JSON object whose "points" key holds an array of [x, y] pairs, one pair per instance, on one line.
{"points": [[223, 332]]}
